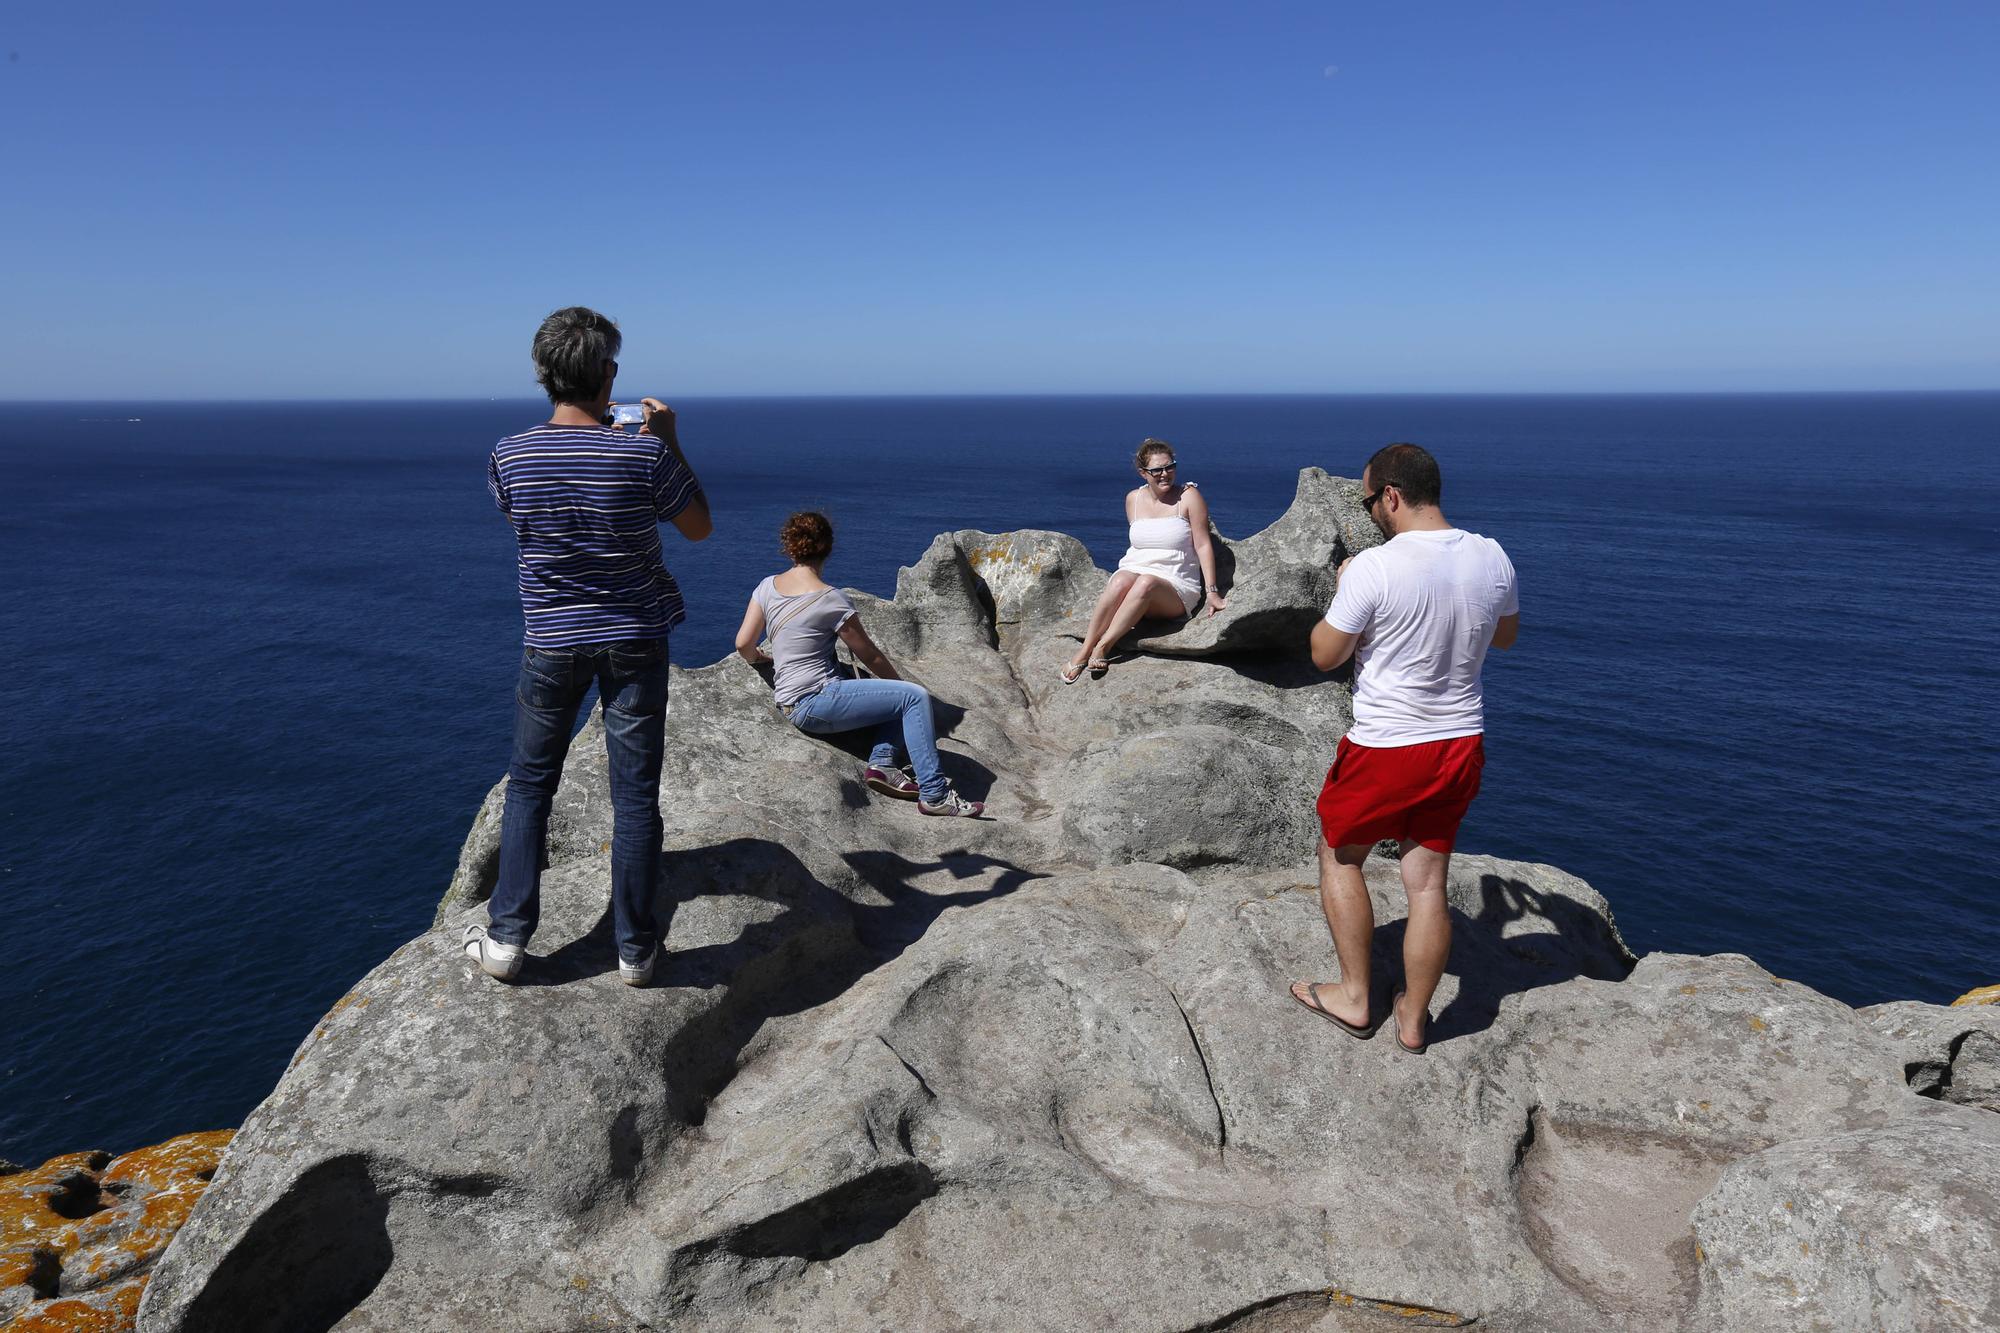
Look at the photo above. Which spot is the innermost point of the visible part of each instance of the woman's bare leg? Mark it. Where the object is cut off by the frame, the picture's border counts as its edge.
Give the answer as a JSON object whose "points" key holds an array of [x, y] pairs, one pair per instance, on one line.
{"points": [[1149, 597], [1100, 615]]}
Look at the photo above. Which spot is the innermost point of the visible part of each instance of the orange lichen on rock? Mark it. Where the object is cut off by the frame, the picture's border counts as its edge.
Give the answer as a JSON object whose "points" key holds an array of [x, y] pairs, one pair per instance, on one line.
{"points": [[80, 1233], [113, 1309], [34, 1202], [39, 1210], [1416, 1314], [1983, 995], [133, 1237], [17, 1265], [173, 1163]]}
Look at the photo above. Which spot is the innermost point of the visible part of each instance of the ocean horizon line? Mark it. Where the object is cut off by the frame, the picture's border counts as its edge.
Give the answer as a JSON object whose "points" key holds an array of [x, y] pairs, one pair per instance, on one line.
{"points": [[1026, 395]]}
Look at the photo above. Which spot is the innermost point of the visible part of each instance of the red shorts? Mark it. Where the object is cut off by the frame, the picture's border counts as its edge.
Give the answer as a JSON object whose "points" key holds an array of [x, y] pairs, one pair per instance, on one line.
{"points": [[1408, 793]]}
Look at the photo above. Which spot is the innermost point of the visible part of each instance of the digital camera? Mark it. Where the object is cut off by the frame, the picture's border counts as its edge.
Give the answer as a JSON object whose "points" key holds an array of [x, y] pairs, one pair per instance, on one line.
{"points": [[626, 414]]}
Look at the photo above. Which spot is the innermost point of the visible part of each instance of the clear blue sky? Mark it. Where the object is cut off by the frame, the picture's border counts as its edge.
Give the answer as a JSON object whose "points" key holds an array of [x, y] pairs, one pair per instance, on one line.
{"points": [[363, 200]]}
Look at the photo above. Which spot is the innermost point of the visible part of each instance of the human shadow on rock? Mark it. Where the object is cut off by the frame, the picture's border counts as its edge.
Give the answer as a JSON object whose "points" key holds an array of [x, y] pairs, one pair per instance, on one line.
{"points": [[1580, 943], [813, 951], [891, 928]]}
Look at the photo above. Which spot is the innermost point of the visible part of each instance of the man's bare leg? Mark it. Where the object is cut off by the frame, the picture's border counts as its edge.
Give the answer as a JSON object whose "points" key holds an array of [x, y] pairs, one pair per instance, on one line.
{"points": [[1426, 938], [1350, 918]]}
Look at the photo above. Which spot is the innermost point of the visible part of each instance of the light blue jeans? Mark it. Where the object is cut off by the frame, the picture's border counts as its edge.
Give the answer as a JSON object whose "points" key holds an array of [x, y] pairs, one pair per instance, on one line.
{"points": [[848, 705]]}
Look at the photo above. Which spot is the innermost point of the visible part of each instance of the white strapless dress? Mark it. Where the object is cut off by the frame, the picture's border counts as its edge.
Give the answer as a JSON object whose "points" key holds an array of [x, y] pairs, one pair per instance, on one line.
{"points": [[1164, 548]]}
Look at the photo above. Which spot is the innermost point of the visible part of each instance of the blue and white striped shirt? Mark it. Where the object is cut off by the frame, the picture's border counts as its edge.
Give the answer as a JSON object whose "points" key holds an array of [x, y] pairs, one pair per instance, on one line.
{"points": [[586, 502]]}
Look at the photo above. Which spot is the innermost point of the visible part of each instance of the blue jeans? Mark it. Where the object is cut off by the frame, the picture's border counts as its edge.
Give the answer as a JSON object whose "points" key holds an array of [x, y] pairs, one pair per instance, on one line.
{"points": [[631, 679], [845, 705]]}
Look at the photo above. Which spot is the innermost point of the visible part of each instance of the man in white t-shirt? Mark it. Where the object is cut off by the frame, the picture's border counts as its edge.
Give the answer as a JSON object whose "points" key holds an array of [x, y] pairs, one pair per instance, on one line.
{"points": [[1417, 615]]}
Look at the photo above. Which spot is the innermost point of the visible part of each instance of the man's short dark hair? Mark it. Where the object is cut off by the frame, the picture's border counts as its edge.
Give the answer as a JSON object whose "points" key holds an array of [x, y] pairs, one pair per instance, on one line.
{"points": [[571, 348], [1410, 469]]}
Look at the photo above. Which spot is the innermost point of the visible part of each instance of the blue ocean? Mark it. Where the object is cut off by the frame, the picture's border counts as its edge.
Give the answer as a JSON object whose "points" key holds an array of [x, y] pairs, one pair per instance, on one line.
{"points": [[260, 662]]}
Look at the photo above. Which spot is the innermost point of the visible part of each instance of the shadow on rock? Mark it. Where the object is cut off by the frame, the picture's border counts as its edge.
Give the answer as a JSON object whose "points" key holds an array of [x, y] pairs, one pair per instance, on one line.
{"points": [[815, 949], [311, 1258], [890, 930], [1288, 671], [1491, 966], [589, 955], [1225, 561]]}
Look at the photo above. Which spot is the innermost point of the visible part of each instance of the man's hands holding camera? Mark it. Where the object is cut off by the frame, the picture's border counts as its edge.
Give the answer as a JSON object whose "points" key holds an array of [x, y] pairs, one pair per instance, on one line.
{"points": [[660, 421]]}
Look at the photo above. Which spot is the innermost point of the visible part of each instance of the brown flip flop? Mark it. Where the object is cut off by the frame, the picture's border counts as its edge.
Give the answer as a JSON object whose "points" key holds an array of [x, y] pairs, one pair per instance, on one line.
{"points": [[1396, 1031], [1312, 990]]}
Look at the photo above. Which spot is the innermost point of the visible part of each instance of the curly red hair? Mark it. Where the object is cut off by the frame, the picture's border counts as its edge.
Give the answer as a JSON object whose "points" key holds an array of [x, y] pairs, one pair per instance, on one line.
{"points": [[806, 538]]}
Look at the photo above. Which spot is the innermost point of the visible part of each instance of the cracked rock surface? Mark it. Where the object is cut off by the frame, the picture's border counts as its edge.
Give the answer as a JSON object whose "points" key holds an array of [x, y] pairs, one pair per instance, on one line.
{"points": [[1040, 1071]]}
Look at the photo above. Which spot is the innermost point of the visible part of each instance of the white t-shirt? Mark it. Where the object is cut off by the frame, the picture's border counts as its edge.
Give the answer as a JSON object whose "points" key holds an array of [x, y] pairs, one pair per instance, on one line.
{"points": [[1425, 605]]}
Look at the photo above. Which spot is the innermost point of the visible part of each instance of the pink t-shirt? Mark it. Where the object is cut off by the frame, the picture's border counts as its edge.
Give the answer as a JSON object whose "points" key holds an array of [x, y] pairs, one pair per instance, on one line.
{"points": [[1425, 605]]}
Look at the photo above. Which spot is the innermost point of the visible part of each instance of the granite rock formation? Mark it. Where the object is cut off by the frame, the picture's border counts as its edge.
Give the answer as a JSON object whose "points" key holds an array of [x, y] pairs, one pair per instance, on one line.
{"points": [[1040, 1070]]}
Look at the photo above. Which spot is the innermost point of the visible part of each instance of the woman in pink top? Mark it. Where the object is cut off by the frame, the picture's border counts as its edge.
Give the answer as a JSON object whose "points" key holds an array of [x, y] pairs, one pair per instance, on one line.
{"points": [[1170, 563]]}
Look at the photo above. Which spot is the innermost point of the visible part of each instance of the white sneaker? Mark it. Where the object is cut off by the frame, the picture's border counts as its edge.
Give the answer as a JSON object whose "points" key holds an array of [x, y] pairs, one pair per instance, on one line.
{"points": [[953, 805], [494, 958], [637, 974]]}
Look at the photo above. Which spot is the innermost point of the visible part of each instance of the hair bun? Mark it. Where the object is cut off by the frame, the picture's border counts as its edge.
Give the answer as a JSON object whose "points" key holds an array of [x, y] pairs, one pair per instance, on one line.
{"points": [[806, 538]]}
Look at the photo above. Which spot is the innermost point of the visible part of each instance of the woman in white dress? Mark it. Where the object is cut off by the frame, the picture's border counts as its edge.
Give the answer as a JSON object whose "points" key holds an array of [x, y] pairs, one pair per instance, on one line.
{"points": [[1170, 564]]}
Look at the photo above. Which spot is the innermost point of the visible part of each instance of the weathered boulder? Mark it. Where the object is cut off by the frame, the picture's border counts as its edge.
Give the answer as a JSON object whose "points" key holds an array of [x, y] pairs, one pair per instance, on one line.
{"points": [[1887, 1227], [1040, 1070], [1952, 1054]]}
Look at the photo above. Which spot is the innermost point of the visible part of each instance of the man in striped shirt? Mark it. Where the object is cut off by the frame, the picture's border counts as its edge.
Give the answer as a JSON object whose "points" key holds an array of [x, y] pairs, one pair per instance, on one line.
{"points": [[586, 501]]}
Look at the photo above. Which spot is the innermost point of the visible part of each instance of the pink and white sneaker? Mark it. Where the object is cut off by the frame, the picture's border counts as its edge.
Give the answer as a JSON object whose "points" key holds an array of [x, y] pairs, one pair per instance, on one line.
{"points": [[891, 781]]}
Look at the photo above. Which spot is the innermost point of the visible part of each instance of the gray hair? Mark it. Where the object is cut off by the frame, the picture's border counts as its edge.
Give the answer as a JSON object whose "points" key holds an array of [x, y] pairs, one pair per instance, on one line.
{"points": [[571, 348]]}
